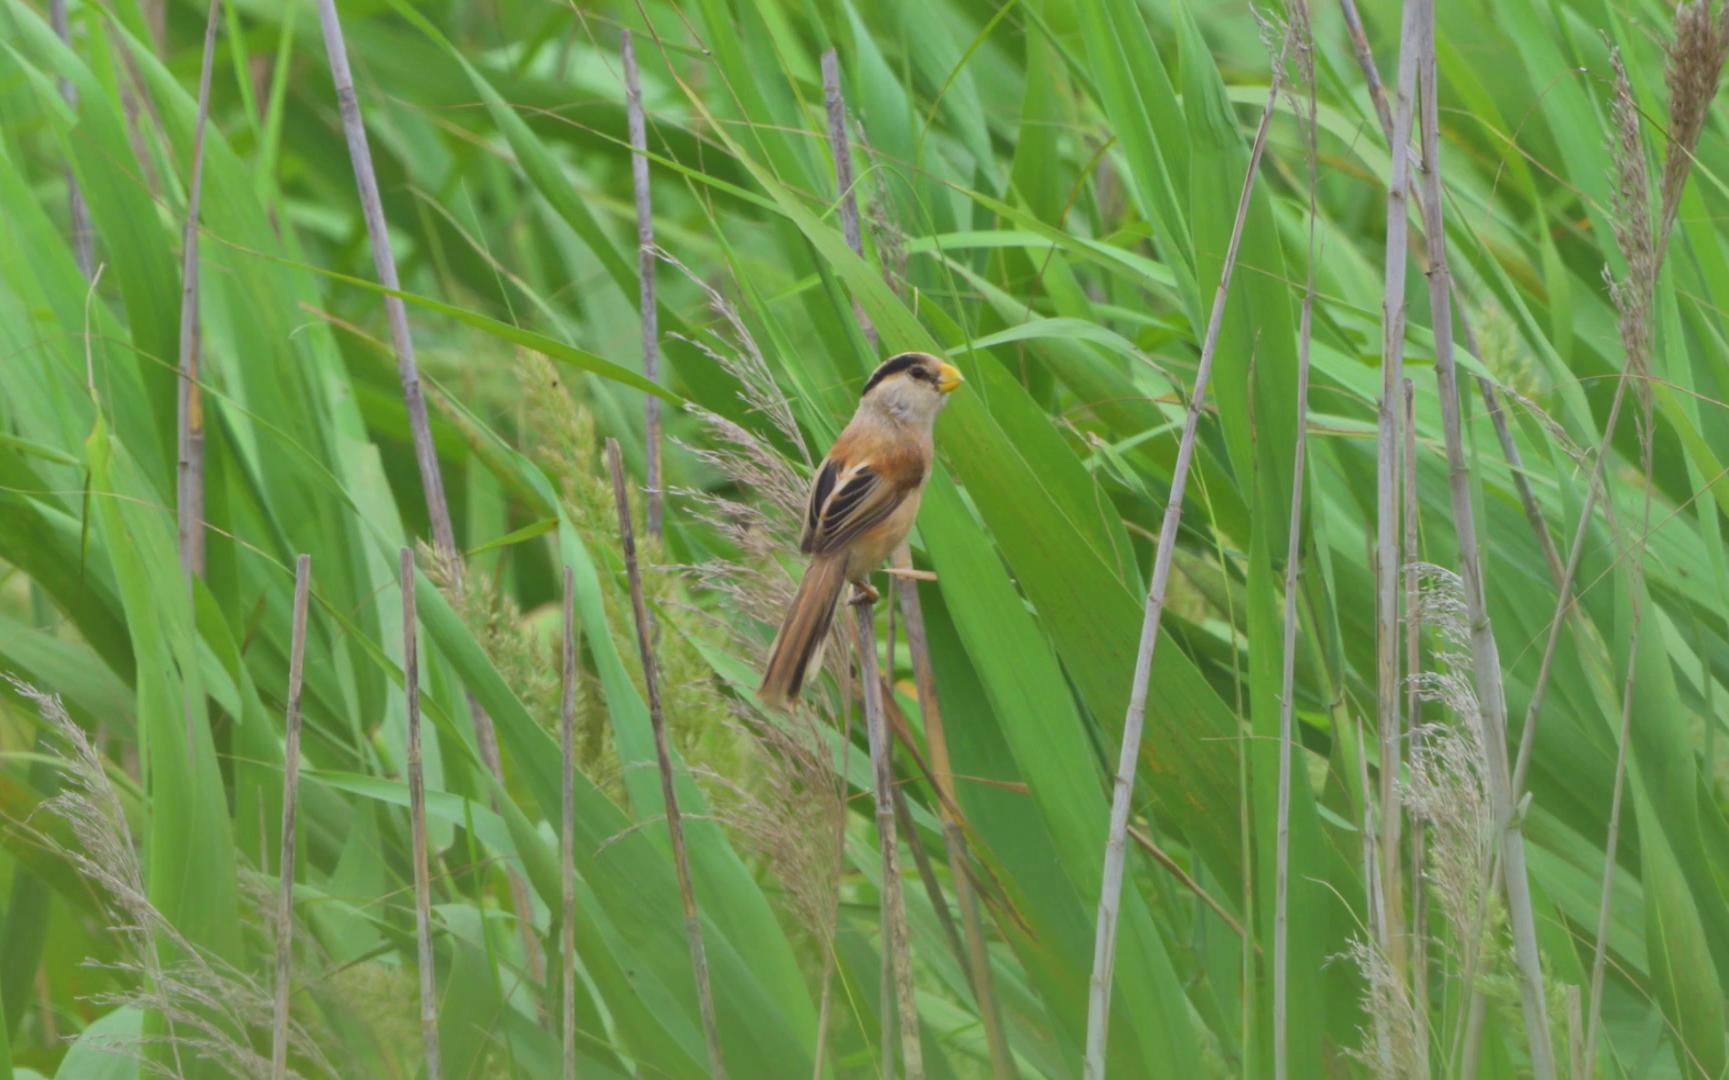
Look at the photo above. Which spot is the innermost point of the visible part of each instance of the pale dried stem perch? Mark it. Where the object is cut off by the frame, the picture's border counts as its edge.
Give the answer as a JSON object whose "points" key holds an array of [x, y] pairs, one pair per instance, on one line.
{"points": [[663, 758], [189, 472], [567, 825], [417, 823], [420, 427], [897, 984], [290, 797], [1486, 660], [1111, 887], [645, 262]]}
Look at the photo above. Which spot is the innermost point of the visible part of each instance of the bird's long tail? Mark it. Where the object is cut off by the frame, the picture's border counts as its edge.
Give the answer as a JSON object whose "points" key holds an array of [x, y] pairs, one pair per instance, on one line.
{"points": [[797, 649]]}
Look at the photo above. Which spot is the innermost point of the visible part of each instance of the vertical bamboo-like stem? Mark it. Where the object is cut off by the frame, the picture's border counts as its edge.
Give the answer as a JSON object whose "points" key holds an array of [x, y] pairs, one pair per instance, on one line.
{"points": [[1293, 568], [414, 402], [897, 984], [290, 797], [1491, 399], [567, 824], [840, 148], [1389, 416], [1485, 655], [189, 473], [645, 261], [1111, 885], [78, 212], [1419, 933], [663, 757], [417, 823]]}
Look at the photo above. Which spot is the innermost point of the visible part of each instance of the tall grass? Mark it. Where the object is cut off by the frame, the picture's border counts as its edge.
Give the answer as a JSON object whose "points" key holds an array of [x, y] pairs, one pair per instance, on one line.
{"points": [[1426, 777]]}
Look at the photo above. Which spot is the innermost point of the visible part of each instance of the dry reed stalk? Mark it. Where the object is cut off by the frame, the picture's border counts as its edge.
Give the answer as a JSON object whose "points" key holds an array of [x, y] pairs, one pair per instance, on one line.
{"points": [[840, 148], [1486, 661], [414, 402], [290, 796], [1491, 397], [567, 824], [78, 212], [645, 262], [417, 822], [189, 474], [1116, 846], [1419, 933], [1389, 418], [663, 758], [897, 981], [1299, 31]]}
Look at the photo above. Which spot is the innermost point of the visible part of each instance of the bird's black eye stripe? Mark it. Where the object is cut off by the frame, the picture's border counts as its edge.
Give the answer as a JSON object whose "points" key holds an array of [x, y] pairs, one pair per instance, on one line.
{"points": [[894, 365]]}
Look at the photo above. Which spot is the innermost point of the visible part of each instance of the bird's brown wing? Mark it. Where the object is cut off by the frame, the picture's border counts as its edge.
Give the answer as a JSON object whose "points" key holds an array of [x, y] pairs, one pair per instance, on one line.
{"points": [[844, 502]]}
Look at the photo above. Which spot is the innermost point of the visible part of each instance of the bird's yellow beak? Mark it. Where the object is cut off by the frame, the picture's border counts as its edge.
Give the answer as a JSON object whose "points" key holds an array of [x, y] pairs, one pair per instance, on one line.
{"points": [[948, 377]]}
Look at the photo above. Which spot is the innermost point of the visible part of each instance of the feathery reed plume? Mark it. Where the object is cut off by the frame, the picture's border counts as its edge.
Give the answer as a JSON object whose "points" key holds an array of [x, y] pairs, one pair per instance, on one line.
{"points": [[645, 262], [1486, 660], [214, 1011], [663, 757], [189, 473], [1299, 39], [897, 985], [290, 796], [1393, 1042], [567, 823], [78, 212], [1116, 840], [1693, 70], [417, 822]]}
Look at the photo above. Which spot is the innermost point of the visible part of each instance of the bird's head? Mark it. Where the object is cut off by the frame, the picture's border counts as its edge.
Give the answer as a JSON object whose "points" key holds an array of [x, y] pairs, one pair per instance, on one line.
{"points": [[911, 387]]}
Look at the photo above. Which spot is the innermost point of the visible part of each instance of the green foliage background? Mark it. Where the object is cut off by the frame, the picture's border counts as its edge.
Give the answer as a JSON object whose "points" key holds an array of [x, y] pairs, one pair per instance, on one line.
{"points": [[1049, 187]]}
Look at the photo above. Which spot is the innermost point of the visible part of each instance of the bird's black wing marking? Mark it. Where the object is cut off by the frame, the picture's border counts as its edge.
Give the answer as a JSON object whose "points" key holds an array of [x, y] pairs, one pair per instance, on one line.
{"points": [[861, 502], [819, 493]]}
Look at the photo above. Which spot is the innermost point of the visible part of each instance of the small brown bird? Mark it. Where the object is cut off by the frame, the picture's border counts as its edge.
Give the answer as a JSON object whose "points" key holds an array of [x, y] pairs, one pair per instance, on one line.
{"points": [[862, 505]]}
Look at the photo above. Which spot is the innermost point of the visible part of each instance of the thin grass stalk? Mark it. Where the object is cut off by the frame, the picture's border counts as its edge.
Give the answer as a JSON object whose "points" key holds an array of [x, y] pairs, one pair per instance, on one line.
{"points": [[189, 474], [77, 211], [927, 873], [1293, 568], [417, 822], [1486, 660], [663, 758], [840, 147], [290, 797], [645, 263], [1491, 398], [1116, 839], [897, 983], [414, 402], [1387, 561], [1418, 839], [567, 825]]}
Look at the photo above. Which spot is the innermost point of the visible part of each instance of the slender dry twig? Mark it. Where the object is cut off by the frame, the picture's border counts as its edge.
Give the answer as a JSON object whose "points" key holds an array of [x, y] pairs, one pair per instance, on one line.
{"points": [[663, 757], [414, 402], [1486, 660], [840, 147], [1301, 29], [417, 822], [189, 476], [1491, 397], [897, 983], [290, 796], [1419, 935], [77, 210], [567, 823], [1388, 564], [1116, 847], [645, 262]]}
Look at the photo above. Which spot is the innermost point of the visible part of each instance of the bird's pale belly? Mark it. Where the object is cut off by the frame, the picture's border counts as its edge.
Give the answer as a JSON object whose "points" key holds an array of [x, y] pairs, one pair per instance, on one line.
{"points": [[872, 548]]}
